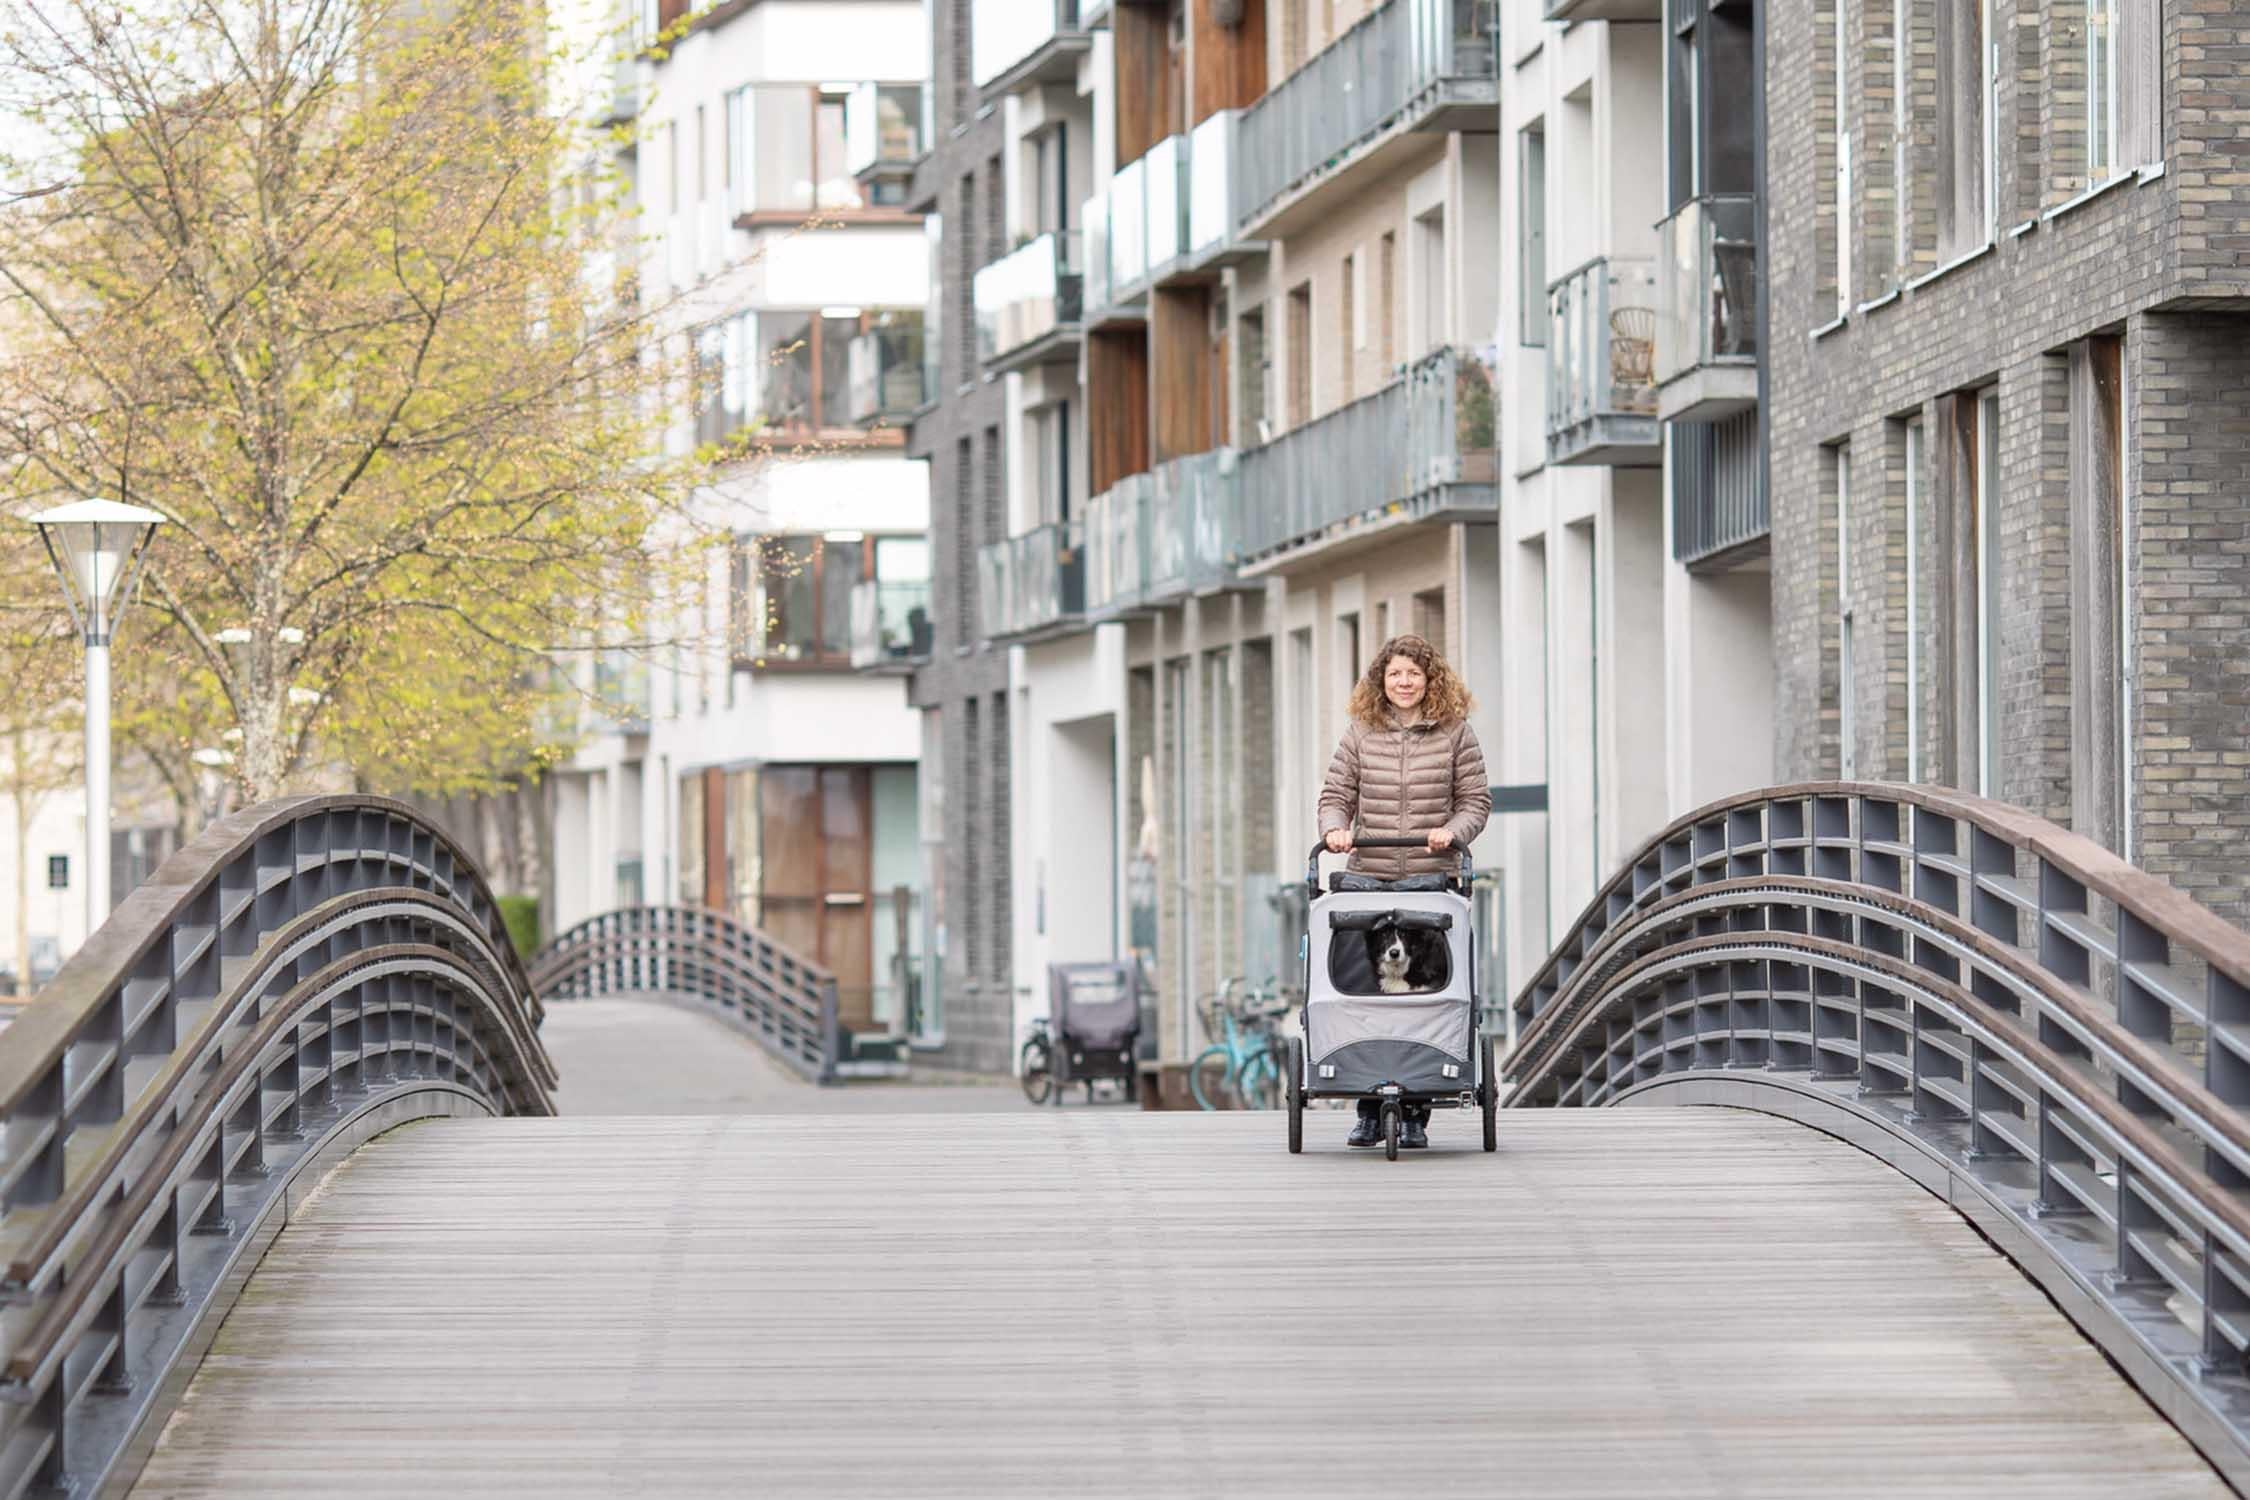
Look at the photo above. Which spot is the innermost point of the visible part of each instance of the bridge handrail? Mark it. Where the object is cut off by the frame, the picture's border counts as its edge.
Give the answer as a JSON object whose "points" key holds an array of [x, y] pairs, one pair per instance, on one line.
{"points": [[301, 974], [785, 1000], [2056, 1041]]}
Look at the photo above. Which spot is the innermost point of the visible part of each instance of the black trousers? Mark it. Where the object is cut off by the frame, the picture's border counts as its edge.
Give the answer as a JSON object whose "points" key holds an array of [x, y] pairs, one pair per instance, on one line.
{"points": [[1371, 1109]]}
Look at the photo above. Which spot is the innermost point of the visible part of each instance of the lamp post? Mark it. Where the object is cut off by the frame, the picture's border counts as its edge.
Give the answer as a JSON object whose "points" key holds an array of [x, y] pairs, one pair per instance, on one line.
{"points": [[97, 547]]}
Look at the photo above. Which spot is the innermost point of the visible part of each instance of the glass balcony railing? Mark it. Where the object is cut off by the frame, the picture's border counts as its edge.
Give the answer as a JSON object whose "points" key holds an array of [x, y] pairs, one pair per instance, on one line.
{"points": [[1166, 222], [1137, 228], [885, 368], [1031, 583], [1423, 444], [1707, 285], [1392, 64], [1604, 10], [1093, 216], [884, 136], [1117, 546], [1156, 537], [1210, 184], [1128, 227], [1024, 297], [1022, 39], [1601, 364], [890, 623]]}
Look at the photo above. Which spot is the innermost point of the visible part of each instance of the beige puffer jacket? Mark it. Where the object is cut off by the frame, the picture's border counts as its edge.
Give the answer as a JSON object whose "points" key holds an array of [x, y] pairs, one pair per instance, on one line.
{"points": [[1398, 782]]}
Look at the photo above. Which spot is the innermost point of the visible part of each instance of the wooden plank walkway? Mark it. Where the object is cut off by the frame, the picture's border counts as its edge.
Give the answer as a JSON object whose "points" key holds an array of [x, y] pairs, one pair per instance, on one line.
{"points": [[1676, 1303]]}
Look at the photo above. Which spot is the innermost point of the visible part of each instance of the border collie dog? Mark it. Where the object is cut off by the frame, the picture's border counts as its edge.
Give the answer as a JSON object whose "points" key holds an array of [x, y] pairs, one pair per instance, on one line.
{"points": [[1392, 959]]}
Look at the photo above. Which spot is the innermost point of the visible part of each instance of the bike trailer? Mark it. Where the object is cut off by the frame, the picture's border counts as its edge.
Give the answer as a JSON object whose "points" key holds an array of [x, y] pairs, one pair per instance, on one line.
{"points": [[1096, 1011]]}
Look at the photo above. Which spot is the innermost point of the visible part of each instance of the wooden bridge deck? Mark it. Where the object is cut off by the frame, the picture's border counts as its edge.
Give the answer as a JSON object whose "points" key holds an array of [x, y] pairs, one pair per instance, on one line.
{"points": [[1647, 1302]]}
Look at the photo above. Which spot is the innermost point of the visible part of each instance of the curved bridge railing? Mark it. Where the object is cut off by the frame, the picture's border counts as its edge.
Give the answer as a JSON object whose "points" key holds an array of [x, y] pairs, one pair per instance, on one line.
{"points": [[301, 976], [2053, 1040], [783, 1000]]}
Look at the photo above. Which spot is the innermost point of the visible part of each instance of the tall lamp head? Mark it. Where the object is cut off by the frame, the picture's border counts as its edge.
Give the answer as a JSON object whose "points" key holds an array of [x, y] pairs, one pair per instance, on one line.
{"points": [[97, 547]]}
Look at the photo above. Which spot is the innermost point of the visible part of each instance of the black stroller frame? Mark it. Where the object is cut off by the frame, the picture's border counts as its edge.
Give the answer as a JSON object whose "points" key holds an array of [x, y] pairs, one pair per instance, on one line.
{"points": [[1419, 1047]]}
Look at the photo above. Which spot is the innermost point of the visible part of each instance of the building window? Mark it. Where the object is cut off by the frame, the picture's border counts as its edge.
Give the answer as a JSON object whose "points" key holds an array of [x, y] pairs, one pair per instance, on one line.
{"points": [[1983, 415], [1902, 142], [1968, 145], [1050, 454], [1257, 374], [58, 872], [1300, 354], [1386, 309], [775, 372], [789, 139], [1430, 231], [1429, 617], [1347, 645], [1531, 237], [2101, 89], [1912, 446], [1050, 176], [1847, 719], [792, 598], [1349, 340], [1843, 205]]}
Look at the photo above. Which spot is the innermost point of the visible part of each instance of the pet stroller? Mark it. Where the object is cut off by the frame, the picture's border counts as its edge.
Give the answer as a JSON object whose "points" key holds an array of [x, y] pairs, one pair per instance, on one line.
{"points": [[1397, 1030], [1097, 1018]]}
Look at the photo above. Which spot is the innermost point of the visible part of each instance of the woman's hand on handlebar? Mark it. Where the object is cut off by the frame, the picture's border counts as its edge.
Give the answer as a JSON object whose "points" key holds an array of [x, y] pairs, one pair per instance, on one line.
{"points": [[1339, 841], [1441, 839]]}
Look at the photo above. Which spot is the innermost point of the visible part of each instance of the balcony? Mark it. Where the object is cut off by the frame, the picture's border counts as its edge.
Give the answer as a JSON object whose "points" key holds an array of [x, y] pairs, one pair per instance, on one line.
{"points": [[1721, 517], [1032, 587], [1422, 448], [885, 134], [1029, 304], [1412, 65], [1605, 10], [1212, 176], [621, 692], [1156, 538], [891, 629], [1707, 309], [1136, 231], [1015, 42], [1601, 365], [885, 366]]}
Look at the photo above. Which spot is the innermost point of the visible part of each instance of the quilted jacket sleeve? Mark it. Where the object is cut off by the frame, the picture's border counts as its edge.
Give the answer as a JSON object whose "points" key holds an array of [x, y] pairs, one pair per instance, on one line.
{"points": [[1339, 795], [1472, 790]]}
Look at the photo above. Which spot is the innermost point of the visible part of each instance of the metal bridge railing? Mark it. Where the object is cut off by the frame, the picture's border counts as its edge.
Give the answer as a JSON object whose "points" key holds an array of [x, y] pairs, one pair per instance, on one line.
{"points": [[2053, 1040], [785, 1001], [302, 975]]}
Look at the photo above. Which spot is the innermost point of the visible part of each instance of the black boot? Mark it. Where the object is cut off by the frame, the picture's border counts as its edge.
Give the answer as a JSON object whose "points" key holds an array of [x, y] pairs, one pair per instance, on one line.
{"points": [[1369, 1129], [1414, 1135]]}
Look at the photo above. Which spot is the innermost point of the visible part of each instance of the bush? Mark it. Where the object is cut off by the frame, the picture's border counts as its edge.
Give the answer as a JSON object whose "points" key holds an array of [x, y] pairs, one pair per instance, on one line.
{"points": [[521, 913]]}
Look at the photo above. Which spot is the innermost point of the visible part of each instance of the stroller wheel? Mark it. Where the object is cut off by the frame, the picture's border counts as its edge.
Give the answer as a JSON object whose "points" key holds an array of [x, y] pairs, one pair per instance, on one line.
{"points": [[1491, 1100], [1390, 1132], [1293, 1087]]}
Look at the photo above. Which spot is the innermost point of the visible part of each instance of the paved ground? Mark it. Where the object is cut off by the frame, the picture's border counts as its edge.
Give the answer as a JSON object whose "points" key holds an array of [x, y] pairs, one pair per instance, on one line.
{"points": [[646, 1057], [1677, 1303]]}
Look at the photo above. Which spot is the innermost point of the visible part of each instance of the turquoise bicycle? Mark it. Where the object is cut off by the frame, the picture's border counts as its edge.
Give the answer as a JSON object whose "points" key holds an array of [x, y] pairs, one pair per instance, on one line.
{"points": [[1243, 1062]]}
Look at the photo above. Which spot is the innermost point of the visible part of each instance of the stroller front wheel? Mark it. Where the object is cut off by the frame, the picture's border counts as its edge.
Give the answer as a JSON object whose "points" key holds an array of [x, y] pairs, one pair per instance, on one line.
{"points": [[1390, 1129]]}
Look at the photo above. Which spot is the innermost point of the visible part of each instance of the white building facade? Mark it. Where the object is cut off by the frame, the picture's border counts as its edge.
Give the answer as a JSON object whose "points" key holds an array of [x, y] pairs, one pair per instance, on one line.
{"points": [[743, 764]]}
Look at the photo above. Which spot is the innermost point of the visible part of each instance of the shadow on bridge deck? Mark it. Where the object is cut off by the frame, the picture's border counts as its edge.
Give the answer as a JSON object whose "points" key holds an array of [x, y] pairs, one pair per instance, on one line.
{"points": [[647, 1057], [1685, 1303]]}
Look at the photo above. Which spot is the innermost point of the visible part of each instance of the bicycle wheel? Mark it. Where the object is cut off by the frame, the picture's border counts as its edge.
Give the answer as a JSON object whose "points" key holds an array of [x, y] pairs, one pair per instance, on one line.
{"points": [[1038, 1077], [1207, 1078]]}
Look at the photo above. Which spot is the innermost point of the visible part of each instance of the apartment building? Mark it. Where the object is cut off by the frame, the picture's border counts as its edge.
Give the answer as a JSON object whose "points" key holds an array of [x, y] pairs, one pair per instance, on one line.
{"points": [[2007, 403], [1217, 416], [746, 762]]}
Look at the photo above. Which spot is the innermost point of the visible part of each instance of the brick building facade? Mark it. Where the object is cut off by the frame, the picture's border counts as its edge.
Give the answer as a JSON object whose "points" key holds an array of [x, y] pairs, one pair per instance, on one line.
{"points": [[2010, 454]]}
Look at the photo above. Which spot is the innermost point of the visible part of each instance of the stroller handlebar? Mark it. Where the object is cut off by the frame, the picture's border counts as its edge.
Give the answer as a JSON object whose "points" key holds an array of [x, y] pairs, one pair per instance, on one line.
{"points": [[1312, 860]]}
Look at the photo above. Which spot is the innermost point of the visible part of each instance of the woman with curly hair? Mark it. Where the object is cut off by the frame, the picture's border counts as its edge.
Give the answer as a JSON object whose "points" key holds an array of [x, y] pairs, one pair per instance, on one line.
{"points": [[1409, 766]]}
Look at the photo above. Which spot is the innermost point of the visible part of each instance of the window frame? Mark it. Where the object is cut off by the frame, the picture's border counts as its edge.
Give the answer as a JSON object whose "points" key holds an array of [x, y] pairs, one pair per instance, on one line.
{"points": [[750, 635], [866, 319]]}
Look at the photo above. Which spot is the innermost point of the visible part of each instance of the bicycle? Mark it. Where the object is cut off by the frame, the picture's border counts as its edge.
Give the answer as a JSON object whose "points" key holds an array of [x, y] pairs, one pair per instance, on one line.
{"points": [[1245, 1056], [1038, 1067]]}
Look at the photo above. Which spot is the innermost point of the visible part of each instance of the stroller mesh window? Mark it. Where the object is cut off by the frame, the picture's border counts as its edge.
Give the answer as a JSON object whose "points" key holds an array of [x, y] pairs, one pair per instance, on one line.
{"points": [[1355, 960]]}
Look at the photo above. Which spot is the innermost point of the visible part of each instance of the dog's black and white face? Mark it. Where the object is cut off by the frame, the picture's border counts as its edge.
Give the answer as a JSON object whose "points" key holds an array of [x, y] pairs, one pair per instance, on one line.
{"points": [[1392, 959]]}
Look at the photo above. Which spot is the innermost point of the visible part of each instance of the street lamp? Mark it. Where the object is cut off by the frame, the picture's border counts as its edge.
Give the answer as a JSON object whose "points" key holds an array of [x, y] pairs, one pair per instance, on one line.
{"points": [[97, 547]]}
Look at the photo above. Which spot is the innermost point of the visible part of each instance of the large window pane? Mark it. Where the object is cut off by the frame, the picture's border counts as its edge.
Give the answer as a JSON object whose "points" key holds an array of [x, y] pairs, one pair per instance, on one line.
{"points": [[836, 335], [781, 148], [838, 188], [792, 603], [839, 570], [785, 365]]}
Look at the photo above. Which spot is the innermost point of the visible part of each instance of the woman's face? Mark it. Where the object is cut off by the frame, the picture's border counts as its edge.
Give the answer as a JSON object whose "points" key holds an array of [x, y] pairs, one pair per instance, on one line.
{"points": [[1403, 683]]}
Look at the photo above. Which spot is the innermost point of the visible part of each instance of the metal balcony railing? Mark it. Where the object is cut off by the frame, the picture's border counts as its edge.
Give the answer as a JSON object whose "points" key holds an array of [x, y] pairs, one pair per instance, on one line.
{"points": [[1604, 10], [1370, 79], [1117, 546], [1013, 40], [885, 367], [890, 623], [1719, 503], [1601, 364], [1424, 444], [1707, 285], [1031, 583], [1025, 297], [1156, 537]]}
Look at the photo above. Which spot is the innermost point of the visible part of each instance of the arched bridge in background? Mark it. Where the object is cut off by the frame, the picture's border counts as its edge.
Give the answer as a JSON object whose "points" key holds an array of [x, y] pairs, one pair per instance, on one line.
{"points": [[286, 1213]]}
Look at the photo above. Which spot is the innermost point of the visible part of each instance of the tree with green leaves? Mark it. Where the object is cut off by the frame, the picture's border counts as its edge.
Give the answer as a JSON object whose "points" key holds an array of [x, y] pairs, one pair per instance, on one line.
{"points": [[329, 285]]}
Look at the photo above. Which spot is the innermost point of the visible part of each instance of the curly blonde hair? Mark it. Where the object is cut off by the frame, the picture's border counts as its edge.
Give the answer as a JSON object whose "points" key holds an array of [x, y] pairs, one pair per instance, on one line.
{"points": [[1445, 701]]}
